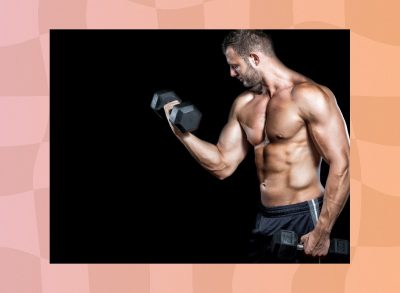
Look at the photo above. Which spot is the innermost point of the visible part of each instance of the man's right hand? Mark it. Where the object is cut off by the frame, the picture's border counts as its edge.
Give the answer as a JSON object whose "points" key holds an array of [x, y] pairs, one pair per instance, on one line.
{"points": [[167, 109], [184, 117]]}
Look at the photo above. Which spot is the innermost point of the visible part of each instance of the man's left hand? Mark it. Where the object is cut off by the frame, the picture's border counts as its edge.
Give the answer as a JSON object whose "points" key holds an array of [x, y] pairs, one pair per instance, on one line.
{"points": [[316, 243]]}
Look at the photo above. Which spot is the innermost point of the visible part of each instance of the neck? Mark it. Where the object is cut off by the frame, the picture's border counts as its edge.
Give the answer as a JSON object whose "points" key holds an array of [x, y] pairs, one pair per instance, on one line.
{"points": [[276, 76]]}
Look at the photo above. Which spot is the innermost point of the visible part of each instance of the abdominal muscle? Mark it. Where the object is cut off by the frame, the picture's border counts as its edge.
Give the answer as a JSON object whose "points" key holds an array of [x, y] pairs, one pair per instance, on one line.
{"points": [[288, 172]]}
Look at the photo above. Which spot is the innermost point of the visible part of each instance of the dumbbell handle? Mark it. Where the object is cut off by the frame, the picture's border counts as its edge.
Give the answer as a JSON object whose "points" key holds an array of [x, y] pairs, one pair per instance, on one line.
{"points": [[338, 246]]}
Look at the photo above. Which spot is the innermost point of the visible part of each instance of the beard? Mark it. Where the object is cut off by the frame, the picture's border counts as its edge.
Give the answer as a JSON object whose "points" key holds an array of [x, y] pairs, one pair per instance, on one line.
{"points": [[253, 80]]}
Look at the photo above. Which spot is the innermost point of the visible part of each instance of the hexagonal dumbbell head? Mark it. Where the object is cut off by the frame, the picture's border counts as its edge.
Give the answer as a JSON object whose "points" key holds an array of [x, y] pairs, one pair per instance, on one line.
{"points": [[339, 247], [284, 244], [160, 99], [186, 117]]}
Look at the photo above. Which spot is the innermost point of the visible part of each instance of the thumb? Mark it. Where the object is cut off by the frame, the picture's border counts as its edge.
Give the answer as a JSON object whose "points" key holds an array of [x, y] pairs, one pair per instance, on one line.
{"points": [[304, 238], [304, 241], [168, 107]]}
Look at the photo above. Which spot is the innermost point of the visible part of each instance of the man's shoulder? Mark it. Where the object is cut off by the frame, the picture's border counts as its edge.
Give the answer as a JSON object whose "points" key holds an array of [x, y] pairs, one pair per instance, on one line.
{"points": [[308, 92], [312, 98], [309, 89], [240, 102], [243, 98]]}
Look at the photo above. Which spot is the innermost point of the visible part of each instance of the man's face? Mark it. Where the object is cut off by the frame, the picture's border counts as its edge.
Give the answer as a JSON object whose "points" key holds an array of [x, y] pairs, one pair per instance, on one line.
{"points": [[242, 69]]}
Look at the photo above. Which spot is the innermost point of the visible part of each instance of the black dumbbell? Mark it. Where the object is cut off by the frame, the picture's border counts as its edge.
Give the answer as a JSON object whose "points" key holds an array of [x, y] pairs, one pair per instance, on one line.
{"points": [[285, 245], [185, 116]]}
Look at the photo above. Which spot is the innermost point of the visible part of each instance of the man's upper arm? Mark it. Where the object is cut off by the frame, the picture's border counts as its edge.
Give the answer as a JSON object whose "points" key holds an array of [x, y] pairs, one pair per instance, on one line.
{"points": [[232, 142], [327, 127]]}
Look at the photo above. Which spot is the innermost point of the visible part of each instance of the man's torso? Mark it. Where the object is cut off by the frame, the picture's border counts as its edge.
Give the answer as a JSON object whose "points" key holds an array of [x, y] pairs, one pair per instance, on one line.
{"points": [[287, 161]]}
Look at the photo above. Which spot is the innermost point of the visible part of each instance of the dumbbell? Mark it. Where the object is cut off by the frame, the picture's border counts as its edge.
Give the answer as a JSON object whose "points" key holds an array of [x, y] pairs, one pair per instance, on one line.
{"points": [[284, 245], [185, 116]]}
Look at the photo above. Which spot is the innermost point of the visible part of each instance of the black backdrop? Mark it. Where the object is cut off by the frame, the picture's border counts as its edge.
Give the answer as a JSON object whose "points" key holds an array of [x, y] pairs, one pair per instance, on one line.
{"points": [[123, 188]]}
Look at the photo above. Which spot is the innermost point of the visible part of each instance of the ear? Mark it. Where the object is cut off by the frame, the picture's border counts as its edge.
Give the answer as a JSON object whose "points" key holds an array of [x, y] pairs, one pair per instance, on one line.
{"points": [[254, 59]]}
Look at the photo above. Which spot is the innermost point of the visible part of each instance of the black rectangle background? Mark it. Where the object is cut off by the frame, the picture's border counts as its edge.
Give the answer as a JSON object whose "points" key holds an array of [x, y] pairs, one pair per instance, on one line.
{"points": [[123, 188]]}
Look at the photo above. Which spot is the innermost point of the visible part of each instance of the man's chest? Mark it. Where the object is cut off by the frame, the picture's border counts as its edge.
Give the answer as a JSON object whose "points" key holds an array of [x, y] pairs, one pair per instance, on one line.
{"points": [[270, 120]]}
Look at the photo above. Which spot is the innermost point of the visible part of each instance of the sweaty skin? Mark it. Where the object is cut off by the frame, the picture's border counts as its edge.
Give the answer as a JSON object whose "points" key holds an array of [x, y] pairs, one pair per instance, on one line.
{"points": [[291, 125]]}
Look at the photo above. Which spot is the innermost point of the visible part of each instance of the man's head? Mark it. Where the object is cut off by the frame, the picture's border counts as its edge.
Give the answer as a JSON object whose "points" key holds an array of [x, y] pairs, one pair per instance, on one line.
{"points": [[244, 50], [244, 42]]}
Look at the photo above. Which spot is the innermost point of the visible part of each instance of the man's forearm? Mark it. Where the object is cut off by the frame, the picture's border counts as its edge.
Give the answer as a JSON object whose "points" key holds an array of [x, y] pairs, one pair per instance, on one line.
{"points": [[336, 194]]}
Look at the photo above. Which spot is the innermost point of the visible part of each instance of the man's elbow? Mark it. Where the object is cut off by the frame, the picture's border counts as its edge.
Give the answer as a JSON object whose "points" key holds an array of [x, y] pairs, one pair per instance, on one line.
{"points": [[223, 174], [220, 176], [343, 172], [224, 168], [341, 167]]}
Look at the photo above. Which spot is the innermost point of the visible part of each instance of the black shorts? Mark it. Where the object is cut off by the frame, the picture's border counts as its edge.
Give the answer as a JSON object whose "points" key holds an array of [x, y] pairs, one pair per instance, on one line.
{"points": [[300, 218]]}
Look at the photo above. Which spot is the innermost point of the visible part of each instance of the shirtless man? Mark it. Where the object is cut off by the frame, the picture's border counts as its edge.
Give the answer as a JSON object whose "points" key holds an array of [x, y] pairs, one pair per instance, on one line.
{"points": [[291, 123]]}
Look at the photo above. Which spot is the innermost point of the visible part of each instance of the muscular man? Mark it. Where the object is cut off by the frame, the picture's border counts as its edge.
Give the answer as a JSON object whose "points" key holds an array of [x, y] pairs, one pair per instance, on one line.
{"points": [[291, 123]]}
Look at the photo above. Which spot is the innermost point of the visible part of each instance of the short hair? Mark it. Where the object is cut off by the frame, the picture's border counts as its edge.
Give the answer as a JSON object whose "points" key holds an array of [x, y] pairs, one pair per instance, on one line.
{"points": [[246, 41]]}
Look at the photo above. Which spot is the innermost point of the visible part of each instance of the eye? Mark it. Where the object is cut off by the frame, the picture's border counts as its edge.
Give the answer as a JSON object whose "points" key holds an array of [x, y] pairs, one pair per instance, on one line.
{"points": [[235, 67]]}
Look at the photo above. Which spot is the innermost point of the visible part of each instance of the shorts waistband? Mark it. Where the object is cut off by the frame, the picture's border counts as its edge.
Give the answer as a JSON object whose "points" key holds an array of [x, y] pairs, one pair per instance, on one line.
{"points": [[301, 207]]}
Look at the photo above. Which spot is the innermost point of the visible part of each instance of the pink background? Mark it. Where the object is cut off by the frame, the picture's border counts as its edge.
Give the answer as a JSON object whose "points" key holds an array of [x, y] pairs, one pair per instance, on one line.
{"points": [[24, 145]]}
